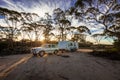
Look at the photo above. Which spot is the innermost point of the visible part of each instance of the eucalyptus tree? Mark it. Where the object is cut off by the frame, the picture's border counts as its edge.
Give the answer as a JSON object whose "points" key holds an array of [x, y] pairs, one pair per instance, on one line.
{"points": [[104, 13], [27, 30], [1, 32], [48, 27], [79, 33], [98, 38], [62, 21], [31, 25], [12, 20]]}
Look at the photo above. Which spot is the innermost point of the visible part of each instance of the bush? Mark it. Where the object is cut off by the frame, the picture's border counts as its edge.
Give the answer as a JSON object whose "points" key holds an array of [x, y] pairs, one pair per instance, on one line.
{"points": [[19, 47], [112, 54], [117, 44]]}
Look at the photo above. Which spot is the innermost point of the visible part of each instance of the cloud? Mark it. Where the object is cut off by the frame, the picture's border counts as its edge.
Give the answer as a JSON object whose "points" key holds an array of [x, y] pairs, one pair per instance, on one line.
{"points": [[47, 6], [36, 6]]}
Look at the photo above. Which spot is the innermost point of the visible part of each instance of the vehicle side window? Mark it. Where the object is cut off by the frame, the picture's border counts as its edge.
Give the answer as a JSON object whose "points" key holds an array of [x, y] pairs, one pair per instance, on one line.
{"points": [[53, 46], [49, 46]]}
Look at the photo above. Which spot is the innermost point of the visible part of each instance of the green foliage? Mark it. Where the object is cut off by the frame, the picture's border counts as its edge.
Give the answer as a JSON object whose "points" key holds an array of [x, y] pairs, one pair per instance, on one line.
{"points": [[117, 44], [112, 55], [112, 50], [85, 45], [20, 47]]}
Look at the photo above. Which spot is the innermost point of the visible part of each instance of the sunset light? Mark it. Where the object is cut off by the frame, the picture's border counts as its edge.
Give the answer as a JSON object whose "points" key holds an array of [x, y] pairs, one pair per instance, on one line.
{"points": [[59, 39]]}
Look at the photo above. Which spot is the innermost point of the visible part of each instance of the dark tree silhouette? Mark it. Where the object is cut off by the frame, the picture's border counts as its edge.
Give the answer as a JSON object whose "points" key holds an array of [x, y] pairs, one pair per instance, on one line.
{"points": [[62, 21], [48, 27], [104, 12], [31, 25], [12, 20], [101, 12]]}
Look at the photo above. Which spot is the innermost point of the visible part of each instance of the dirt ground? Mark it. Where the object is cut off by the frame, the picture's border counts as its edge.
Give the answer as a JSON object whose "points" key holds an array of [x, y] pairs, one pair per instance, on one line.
{"points": [[69, 66], [6, 61]]}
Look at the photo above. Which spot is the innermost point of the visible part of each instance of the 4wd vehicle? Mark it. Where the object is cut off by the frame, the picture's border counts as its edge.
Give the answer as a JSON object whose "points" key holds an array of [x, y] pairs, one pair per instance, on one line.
{"points": [[47, 48]]}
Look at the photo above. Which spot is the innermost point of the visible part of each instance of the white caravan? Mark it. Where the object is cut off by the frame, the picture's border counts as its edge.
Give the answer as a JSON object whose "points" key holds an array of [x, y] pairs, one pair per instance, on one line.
{"points": [[68, 45]]}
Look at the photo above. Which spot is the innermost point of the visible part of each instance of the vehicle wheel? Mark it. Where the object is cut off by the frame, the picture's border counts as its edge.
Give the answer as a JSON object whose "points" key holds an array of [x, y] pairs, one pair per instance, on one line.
{"points": [[41, 54], [56, 52]]}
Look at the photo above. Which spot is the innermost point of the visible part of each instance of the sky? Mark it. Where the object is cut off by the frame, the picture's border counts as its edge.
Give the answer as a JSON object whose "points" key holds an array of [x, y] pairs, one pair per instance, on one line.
{"points": [[47, 6], [37, 6]]}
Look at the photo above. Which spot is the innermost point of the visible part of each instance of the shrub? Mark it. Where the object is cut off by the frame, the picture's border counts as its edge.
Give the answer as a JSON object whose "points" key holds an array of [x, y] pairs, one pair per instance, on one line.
{"points": [[117, 45]]}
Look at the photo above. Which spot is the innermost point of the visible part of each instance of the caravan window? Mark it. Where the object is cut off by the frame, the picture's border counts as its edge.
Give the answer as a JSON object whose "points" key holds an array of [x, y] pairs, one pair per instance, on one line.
{"points": [[53, 45], [70, 44], [74, 44]]}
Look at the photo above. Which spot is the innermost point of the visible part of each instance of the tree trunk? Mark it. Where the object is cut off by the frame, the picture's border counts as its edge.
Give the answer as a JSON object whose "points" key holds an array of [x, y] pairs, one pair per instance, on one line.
{"points": [[62, 35]]}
